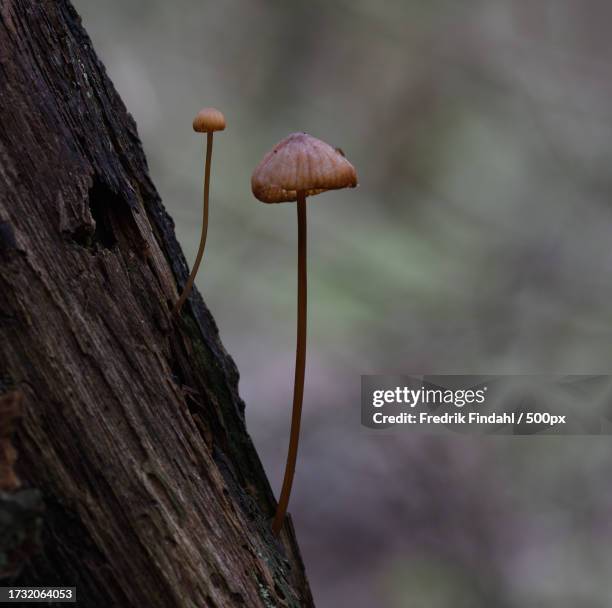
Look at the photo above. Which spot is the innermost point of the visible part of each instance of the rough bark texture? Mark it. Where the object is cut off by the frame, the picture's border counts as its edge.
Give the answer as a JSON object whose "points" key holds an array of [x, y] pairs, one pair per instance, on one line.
{"points": [[132, 429]]}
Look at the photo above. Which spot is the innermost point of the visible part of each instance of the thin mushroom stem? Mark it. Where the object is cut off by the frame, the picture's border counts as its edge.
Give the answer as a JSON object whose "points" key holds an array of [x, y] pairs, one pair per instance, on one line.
{"points": [[198, 260], [300, 365]]}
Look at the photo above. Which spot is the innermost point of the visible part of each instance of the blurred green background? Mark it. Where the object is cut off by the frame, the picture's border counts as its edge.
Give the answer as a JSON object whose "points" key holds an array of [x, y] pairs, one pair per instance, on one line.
{"points": [[477, 242]]}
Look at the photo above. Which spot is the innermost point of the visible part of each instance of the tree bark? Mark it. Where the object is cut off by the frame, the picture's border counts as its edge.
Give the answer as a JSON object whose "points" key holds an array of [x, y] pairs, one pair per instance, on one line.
{"points": [[132, 428]]}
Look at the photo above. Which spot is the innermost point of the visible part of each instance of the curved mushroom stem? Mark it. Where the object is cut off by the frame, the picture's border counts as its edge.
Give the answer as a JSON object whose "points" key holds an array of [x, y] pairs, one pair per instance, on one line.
{"points": [[300, 365], [198, 260]]}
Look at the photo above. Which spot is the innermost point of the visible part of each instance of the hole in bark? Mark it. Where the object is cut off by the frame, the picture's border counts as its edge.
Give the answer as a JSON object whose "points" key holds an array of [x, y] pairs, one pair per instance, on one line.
{"points": [[115, 224], [103, 203]]}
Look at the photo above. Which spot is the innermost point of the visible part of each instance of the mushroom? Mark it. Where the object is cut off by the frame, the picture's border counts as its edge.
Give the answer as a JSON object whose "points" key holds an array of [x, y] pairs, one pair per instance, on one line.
{"points": [[207, 120], [297, 167]]}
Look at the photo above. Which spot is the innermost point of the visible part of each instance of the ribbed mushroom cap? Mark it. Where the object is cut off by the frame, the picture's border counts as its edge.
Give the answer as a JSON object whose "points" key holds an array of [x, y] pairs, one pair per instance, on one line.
{"points": [[301, 162], [207, 120]]}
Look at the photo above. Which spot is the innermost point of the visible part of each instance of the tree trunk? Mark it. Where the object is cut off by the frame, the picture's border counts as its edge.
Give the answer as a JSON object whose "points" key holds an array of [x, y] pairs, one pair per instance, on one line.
{"points": [[132, 428]]}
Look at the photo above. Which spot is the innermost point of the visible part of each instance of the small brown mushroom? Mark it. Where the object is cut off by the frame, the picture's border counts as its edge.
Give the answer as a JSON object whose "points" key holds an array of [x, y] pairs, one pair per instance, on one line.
{"points": [[207, 120], [297, 167]]}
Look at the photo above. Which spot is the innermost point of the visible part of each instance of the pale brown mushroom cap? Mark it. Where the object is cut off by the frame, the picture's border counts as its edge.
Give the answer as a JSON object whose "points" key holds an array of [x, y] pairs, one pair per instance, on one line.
{"points": [[207, 120], [301, 162]]}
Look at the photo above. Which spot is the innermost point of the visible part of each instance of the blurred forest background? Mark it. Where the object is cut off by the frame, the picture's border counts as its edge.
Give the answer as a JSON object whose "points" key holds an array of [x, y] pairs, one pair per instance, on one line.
{"points": [[478, 242]]}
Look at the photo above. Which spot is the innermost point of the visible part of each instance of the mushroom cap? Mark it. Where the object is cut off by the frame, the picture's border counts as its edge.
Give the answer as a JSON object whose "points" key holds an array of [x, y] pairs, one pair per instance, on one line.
{"points": [[207, 120], [301, 162]]}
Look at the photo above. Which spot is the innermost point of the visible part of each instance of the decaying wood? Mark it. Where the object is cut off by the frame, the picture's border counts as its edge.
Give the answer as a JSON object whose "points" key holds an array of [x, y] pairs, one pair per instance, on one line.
{"points": [[133, 429]]}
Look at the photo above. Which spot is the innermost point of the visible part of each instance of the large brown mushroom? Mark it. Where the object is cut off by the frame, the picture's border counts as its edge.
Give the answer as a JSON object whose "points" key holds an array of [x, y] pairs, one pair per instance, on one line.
{"points": [[297, 167], [207, 120]]}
